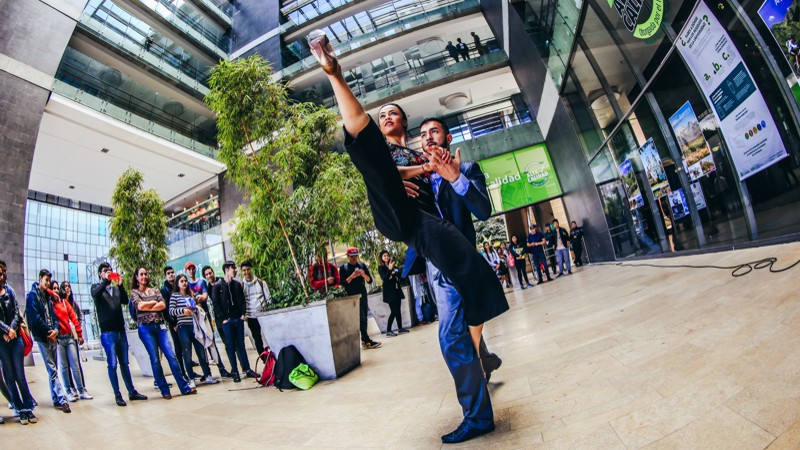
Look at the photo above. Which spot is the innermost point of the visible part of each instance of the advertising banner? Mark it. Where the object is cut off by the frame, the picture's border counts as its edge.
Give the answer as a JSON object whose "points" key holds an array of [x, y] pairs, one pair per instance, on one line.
{"points": [[520, 178], [785, 28], [745, 120], [628, 176], [697, 159], [656, 176], [699, 198], [677, 201]]}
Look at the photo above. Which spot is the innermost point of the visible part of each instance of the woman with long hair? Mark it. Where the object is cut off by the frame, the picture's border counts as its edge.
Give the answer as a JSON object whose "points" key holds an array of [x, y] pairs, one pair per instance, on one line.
{"points": [[69, 330], [492, 257], [505, 263], [182, 306], [66, 294], [392, 294], [12, 352], [153, 332]]}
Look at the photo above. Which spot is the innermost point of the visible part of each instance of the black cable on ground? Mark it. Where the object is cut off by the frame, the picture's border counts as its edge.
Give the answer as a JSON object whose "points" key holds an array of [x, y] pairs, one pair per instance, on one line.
{"points": [[738, 270]]}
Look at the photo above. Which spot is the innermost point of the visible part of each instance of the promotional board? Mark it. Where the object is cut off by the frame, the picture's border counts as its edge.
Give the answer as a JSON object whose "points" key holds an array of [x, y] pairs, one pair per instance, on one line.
{"points": [[697, 159], [628, 176], [744, 119], [784, 25], [656, 176], [677, 201]]}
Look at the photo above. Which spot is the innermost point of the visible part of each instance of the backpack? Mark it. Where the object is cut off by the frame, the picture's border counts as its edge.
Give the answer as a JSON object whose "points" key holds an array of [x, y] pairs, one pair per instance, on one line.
{"points": [[303, 377], [429, 310], [288, 359], [267, 377]]}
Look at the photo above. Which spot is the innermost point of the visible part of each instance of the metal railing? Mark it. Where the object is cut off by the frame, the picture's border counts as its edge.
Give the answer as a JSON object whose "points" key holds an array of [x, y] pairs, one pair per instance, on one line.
{"points": [[172, 9]]}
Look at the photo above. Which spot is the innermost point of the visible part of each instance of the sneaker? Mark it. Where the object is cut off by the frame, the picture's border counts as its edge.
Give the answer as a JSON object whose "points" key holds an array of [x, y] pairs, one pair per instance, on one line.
{"points": [[65, 408], [560, 275], [73, 392], [391, 334], [2, 421], [224, 374], [31, 417], [195, 364], [402, 331], [85, 395], [135, 396], [371, 344], [70, 398], [23, 418], [569, 272], [236, 377], [167, 396], [194, 377], [209, 380], [530, 285], [57, 405], [192, 391], [119, 400], [191, 384], [522, 288], [251, 374]]}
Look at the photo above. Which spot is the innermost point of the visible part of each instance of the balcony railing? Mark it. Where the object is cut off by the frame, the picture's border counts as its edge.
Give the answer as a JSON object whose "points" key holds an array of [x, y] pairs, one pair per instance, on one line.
{"points": [[192, 22], [194, 229], [105, 89], [298, 58]]}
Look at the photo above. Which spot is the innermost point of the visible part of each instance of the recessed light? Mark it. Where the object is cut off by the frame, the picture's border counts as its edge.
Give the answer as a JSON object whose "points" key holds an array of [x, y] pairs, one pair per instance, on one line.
{"points": [[181, 175], [71, 186], [105, 150]]}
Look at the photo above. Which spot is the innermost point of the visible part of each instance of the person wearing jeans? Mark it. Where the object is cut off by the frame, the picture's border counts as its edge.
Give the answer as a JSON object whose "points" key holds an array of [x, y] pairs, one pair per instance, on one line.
{"points": [[44, 327], [182, 306], [108, 297], [229, 307], [12, 351], [562, 248], [69, 363], [154, 334]]}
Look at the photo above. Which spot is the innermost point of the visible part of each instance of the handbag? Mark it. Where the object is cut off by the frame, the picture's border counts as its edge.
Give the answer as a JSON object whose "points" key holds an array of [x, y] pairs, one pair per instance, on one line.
{"points": [[25, 335]]}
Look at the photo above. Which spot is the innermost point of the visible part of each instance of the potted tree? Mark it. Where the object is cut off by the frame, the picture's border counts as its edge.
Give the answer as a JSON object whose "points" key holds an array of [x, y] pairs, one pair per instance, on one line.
{"points": [[138, 235], [301, 195]]}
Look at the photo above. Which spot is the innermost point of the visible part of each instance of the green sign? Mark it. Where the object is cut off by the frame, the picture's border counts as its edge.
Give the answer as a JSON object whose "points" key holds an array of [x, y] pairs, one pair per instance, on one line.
{"points": [[520, 178], [630, 13]]}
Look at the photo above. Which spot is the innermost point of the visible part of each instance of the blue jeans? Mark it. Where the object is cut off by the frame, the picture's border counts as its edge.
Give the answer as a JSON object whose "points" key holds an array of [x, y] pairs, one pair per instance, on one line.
{"points": [[115, 344], [49, 351], [155, 337], [562, 255], [186, 336], [12, 354], [459, 352], [234, 331], [68, 361]]}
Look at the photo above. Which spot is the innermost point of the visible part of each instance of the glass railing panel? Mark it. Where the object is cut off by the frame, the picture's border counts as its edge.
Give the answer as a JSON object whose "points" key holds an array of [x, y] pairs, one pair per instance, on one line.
{"points": [[299, 49], [223, 9], [192, 22]]}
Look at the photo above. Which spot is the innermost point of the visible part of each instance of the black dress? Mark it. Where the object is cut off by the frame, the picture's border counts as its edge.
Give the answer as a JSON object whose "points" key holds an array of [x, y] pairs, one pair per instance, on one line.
{"points": [[400, 218]]}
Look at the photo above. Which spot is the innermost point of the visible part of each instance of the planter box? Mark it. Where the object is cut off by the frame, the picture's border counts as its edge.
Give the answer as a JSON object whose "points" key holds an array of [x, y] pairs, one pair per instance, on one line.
{"points": [[380, 310], [326, 333], [137, 348]]}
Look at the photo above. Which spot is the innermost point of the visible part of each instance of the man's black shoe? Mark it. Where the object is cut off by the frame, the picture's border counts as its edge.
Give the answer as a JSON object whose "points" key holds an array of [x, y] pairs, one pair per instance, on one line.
{"points": [[236, 377], [224, 373], [195, 364], [490, 364], [137, 396], [465, 432], [251, 374], [119, 400], [540, 282], [560, 275]]}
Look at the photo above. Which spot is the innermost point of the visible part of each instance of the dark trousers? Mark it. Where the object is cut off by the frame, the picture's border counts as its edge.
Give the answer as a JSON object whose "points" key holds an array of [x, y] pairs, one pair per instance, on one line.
{"points": [[394, 315], [552, 258], [399, 218], [176, 341], [522, 271], [459, 353], [234, 331], [12, 354], [115, 344], [255, 331], [218, 327], [363, 308], [186, 336], [538, 257], [577, 248]]}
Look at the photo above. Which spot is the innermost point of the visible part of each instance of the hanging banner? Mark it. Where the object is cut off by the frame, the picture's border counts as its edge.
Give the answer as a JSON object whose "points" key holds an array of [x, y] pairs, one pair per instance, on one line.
{"points": [[628, 176], [699, 198], [677, 201], [783, 25], [744, 119], [656, 176], [697, 159]]}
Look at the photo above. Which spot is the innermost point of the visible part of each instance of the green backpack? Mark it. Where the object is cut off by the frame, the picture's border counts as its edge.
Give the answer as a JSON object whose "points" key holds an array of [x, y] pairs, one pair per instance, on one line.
{"points": [[303, 377]]}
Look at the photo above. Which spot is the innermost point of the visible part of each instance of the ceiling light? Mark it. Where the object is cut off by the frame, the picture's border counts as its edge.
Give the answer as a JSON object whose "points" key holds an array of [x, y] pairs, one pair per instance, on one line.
{"points": [[455, 101], [600, 100], [105, 150], [181, 175], [71, 186]]}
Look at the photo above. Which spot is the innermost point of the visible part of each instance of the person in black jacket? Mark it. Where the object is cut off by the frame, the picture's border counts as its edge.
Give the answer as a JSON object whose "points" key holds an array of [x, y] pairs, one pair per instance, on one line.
{"points": [[166, 293], [392, 294], [229, 307], [354, 276], [576, 237], [109, 296], [562, 245], [550, 237]]}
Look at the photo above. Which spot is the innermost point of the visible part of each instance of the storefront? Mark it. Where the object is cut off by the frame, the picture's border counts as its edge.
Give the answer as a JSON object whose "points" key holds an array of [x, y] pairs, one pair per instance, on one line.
{"points": [[687, 116]]}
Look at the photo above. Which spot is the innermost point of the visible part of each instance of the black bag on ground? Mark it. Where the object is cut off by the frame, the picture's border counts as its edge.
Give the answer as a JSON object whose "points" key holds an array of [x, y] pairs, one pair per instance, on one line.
{"points": [[288, 358], [429, 311]]}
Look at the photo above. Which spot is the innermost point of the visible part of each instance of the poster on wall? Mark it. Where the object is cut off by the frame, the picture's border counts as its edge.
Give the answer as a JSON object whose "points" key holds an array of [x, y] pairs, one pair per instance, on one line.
{"points": [[699, 198], [656, 176], [744, 119], [784, 25], [628, 176], [697, 159], [520, 178], [677, 201]]}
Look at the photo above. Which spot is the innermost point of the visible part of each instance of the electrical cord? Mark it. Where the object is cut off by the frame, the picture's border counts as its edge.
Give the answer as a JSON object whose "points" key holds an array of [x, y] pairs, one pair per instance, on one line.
{"points": [[738, 270]]}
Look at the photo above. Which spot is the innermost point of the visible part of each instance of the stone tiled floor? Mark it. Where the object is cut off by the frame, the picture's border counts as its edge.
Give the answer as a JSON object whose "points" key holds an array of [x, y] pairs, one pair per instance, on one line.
{"points": [[610, 357]]}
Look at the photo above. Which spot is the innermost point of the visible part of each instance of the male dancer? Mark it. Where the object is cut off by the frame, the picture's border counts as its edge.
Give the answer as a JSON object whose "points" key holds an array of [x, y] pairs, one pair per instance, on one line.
{"points": [[401, 219]]}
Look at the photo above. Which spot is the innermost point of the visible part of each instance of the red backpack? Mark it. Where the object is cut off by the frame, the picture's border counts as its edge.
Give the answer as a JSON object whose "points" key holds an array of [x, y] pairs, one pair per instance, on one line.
{"points": [[267, 377]]}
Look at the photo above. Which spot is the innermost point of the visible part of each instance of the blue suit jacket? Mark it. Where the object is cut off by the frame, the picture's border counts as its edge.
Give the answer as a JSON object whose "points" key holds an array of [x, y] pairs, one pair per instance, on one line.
{"points": [[458, 210]]}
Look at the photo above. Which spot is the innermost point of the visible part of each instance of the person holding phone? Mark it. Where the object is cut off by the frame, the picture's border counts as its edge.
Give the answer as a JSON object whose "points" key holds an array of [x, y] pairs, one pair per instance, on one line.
{"points": [[182, 306], [392, 294], [355, 276], [109, 296]]}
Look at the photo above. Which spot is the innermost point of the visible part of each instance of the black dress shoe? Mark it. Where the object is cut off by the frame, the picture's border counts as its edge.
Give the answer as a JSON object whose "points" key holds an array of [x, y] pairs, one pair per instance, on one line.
{"points": [[137, 396], [490, 364], [119, 400], [236, 377], [465, 432]]}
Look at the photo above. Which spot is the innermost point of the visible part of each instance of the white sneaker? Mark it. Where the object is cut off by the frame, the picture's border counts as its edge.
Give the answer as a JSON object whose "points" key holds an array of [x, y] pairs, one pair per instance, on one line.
{"points": [[73, 392], [210, 380], [85, 395], [71, 398], [192, 385]]}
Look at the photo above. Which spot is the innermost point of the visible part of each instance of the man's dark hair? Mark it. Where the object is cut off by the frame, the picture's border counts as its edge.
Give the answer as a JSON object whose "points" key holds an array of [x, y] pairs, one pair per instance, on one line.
{"points": [[533, 225], [227, 265], [555, 221], [2, 264], [167, 269], [437, 120], [44, 273], [103, 265], [245, 264], [203, 272]]}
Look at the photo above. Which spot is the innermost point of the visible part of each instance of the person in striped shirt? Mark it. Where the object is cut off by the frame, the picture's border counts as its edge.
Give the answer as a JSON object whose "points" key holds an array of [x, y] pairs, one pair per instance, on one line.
{"points": [[182, 306]]}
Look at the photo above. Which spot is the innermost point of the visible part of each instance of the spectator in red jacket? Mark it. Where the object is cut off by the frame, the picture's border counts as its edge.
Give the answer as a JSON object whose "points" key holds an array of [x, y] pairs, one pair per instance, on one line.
{"points": [[67, 347], [323, 275]]}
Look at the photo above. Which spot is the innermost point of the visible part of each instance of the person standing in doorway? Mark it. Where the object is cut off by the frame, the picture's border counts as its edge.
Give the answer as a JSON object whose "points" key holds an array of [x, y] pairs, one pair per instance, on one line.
{"points": [[355, 276]]}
